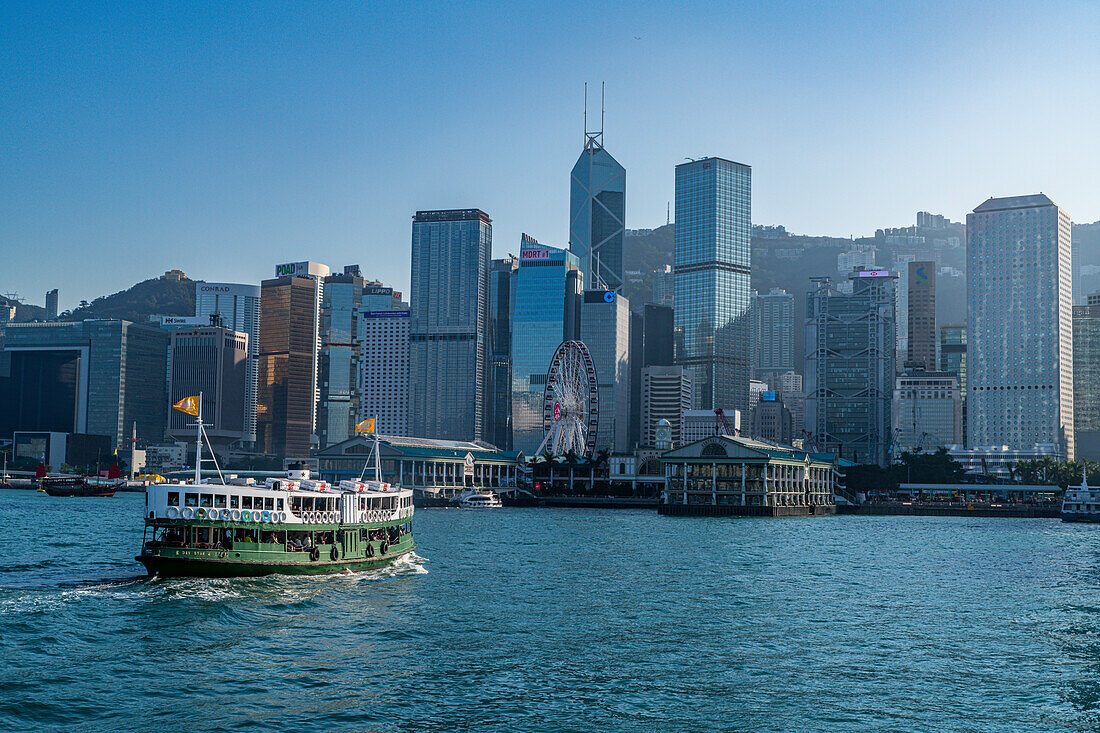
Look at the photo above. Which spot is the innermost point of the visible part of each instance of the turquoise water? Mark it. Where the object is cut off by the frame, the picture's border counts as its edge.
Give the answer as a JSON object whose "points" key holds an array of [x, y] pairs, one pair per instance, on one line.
{"points": [[527, 619]]}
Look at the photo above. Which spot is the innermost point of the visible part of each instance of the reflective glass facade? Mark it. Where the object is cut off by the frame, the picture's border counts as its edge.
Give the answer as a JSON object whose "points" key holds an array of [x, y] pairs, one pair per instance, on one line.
{"points": [[597, 214], [449, 324], [773, 334], [1019, 325], [339, 403], [288, 358], [712, 267], [545, 312], [605, 330], [502, 276]]}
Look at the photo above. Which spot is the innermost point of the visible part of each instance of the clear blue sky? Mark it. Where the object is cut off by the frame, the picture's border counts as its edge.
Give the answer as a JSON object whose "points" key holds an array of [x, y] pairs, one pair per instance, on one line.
{"points": [[224, 139]]}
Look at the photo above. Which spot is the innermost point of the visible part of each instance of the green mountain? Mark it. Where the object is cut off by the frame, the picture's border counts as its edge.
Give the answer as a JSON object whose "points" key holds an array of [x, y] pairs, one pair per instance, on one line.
{"points": [[158, 296]]}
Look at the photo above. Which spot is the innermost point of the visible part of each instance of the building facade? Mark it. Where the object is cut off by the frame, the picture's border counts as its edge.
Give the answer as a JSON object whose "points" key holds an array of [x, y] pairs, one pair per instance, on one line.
{"points": [[546, 311], [1019, 326], [99, 377], [850, 366], [728, 475], [699, 424], [712, 266], [597, 214], [449, 324], [921, 343], [605, 330], [238, 308], [927, 411], [1086, 378], [338, 405], [772, 334], [211, 361], [502, 282], [772, 421], [287, 394], [384, 369], [666, 395]]}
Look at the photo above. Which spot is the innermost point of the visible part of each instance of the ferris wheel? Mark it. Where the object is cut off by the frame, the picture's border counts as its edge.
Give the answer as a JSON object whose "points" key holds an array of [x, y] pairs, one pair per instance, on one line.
{"points": [[571, 403]]}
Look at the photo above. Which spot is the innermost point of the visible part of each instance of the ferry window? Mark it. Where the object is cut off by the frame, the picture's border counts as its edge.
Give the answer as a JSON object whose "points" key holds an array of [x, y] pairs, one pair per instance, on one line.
{"points": [[269, 502], [295, 504], [191, 499], [205, 499], [279, 503], [362, 503], [173, 498], [219, 501], [307, 503], [234, 502], [246, 502]]}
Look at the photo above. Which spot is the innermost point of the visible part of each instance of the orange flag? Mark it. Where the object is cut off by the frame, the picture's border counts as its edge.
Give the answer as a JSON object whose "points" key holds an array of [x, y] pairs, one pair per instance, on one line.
{"points": [[190, 405]]}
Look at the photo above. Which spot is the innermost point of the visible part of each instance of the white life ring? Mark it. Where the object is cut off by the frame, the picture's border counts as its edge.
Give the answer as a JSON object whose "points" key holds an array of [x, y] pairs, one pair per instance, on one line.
{"points": [[188, 512], [256, 516], [282, 516], [236, 514], [173, 512], [332, 517]]}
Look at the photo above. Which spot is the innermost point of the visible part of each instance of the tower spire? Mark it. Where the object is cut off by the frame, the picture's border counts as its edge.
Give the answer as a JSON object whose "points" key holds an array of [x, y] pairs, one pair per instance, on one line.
{"points": [[593, 140]]}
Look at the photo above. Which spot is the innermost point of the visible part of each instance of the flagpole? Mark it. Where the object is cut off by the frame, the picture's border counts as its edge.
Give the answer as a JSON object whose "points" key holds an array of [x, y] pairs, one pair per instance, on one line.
{"points": [[198, 442]]}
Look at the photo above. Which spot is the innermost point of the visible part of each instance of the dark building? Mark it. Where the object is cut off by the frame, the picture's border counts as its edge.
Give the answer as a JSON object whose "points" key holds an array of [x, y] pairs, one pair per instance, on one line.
{"points": [[771, 420], [288, 356], [211, 361], [501, 279], [657, 348], [51, 305], [97, 376], [921, 352]]}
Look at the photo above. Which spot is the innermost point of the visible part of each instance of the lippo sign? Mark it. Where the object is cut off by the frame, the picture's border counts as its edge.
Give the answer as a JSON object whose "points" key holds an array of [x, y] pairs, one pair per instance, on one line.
{"points": [[534, 254]]}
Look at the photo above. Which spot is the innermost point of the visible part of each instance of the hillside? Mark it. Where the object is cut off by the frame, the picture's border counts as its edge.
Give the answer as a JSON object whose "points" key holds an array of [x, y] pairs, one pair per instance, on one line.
{"points": [[157, 296]]}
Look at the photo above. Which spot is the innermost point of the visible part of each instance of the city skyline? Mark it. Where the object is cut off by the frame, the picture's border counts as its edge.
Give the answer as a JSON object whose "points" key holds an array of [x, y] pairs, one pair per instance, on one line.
{"points": [[137, 143]]}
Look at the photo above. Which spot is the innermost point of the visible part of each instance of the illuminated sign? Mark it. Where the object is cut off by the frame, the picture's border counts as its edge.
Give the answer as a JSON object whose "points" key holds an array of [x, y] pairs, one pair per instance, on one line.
{"points": [[375, 290], [599, 296], [767, 395], [386, 314], [873, 273], [534, 254]]}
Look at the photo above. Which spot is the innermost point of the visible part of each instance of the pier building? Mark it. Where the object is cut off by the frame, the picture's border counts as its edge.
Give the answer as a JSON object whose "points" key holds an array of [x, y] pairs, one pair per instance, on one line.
{"points": [[729, 475]]}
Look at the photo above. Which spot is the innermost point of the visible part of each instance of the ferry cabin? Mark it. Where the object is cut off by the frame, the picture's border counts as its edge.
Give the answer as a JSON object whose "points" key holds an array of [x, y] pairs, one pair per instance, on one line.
{"points": [[723, 474]]}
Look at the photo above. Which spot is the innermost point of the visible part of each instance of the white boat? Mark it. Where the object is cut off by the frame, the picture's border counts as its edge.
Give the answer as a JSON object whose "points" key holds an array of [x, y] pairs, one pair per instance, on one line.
{"points": [[1081, 503], [480, 499]]}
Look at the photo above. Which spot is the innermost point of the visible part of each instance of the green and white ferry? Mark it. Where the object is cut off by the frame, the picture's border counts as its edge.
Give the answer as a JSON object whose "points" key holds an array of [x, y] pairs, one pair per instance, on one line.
{"points": [[292, 525]]}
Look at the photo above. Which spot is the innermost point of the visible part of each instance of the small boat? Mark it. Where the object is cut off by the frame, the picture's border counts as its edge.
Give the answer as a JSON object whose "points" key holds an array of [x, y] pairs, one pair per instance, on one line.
{"points": [[79, 486], [480, 499], [1081, 503]]}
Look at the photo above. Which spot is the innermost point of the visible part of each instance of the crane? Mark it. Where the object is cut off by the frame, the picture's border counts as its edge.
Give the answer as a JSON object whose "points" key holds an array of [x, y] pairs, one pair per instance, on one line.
{"points": [[722, 423]]}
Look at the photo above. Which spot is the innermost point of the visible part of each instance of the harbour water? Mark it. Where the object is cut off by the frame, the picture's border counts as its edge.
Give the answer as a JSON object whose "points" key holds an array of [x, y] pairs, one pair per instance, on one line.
{"points": [[568, 619]]}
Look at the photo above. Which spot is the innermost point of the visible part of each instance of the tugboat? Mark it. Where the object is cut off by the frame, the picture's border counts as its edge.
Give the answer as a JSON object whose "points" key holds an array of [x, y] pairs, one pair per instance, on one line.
{"points": [[1081, 503], [292, 525]]}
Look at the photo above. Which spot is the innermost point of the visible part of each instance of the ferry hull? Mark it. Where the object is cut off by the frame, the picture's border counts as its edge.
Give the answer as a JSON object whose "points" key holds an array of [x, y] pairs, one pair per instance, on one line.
{"points": [[1088, 517], [219, 566]]}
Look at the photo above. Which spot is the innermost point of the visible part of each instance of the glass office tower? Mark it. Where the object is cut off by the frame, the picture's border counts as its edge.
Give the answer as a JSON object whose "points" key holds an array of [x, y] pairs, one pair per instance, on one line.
{"points": [[338, 406], [449, 324], [597, 213], [502, 274], [545, 313], [713, 223]]}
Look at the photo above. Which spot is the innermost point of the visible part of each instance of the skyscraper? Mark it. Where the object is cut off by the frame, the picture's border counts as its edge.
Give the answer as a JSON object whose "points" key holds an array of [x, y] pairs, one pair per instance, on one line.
{"points": [[850, 366], [546, 312], [449, 324], [921, 345], [211, 361], [1019, 326], [51, 305], [773, 334], [238, 309], [338, 406], [597, 213], [290, 307], [1086, 378], [384, 368], [712, 267], [502, 282], [605, 330], [666, 395]]}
